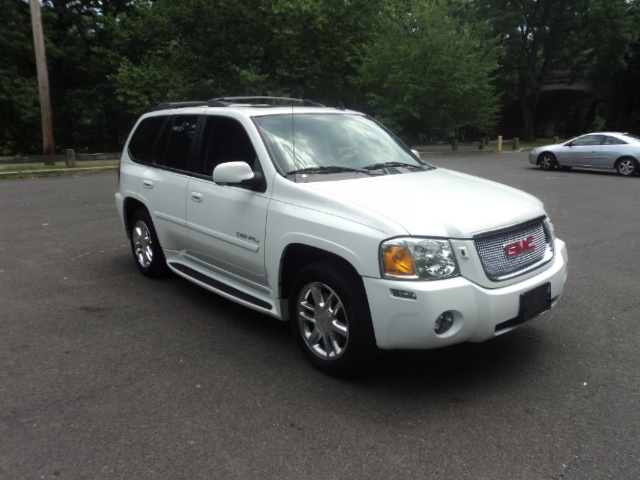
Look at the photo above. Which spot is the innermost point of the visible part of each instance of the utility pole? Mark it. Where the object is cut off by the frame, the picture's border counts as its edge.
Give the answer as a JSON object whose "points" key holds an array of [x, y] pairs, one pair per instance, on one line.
{"points": [[43, 80]]}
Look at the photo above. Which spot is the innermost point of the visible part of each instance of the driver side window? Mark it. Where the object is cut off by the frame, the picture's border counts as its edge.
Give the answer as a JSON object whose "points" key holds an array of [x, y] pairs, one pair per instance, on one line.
{"points": [[224, 140], [589, 140]]}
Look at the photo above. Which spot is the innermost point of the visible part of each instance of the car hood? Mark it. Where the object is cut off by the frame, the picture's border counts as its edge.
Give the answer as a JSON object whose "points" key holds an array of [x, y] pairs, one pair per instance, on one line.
{"points": [[438, 202]]}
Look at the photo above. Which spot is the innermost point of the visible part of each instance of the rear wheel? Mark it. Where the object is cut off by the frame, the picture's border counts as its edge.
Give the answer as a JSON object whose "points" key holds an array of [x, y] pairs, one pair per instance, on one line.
{"points": [[627, 167], [330, 318], [145, 245], [547, 161]]}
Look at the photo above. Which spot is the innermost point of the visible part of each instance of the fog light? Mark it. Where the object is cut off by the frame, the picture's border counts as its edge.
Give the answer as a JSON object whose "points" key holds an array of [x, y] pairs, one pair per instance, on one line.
{"points": [[403, 294], [444, 322]]}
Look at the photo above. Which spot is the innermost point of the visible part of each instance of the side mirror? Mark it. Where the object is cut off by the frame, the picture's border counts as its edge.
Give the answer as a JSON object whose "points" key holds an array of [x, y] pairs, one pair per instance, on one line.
{"points": [[416, 153], [239, 174], [232, 172]]}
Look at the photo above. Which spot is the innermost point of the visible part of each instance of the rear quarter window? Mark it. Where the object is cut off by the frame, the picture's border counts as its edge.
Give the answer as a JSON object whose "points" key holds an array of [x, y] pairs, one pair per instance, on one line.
{"points": [[142, 142]]}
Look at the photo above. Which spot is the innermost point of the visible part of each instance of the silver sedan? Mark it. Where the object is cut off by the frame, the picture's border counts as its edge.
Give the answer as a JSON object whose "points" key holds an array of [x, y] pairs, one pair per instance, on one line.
{"points": [[604, 150]]}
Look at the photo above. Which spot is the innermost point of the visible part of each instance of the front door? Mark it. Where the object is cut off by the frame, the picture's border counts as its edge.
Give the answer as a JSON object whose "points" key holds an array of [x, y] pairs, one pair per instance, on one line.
{"points": [[582, 152], [226, 224]]}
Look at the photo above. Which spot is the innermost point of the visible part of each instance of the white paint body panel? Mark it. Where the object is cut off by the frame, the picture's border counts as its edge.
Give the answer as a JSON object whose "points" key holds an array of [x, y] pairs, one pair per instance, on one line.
{"points": [[237, 238]]}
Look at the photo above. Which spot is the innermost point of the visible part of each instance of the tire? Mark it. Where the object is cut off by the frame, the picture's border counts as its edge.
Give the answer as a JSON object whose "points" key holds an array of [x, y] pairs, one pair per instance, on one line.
{"points": [[547, 161], [330, 319], [145, 246], [627, 166]]}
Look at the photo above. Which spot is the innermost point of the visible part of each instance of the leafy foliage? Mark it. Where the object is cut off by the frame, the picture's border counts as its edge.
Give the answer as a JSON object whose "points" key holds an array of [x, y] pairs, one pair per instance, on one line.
{"points": [[19, 103], [539, 38], [426, 68], [428, 75]]}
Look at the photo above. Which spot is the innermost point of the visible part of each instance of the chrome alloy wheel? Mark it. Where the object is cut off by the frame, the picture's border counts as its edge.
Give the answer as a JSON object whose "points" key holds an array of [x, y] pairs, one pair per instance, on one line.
{"points": [[627, 166], [322, 321], [547, 161], [142, 244]]}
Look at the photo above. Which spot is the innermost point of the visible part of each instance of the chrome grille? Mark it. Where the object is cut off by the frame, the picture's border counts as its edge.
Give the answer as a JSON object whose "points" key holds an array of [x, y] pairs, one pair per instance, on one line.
{"points": [[507, 253]]}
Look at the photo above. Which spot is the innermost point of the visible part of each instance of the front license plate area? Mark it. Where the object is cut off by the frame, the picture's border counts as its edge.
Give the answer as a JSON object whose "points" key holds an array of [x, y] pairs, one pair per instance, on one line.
{"points": [[534, 302]]}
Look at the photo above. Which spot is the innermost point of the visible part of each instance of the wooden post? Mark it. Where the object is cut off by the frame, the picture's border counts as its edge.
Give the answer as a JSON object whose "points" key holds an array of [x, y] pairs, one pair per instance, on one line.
{"points": [[499, 143], [516, 143], [454, 145], [48, 147]]}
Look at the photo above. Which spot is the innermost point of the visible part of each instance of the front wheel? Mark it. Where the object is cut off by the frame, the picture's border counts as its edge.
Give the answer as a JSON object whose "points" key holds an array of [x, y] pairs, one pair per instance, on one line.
{"points": [[547, 161], [330, 318], [627, 167]]}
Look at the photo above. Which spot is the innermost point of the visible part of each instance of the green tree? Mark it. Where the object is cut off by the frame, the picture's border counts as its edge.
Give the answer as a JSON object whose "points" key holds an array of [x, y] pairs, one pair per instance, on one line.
{"points": [[540, 37], [611, 61], [80, 38], [195, 49], [20, 130], [427, 74]]}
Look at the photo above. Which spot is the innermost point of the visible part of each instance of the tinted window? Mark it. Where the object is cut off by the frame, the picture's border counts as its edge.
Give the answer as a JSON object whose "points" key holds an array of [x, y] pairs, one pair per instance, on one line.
{"points": [[175, 141], [143, 139], [589, 140], [224, 140], [614, 141]]}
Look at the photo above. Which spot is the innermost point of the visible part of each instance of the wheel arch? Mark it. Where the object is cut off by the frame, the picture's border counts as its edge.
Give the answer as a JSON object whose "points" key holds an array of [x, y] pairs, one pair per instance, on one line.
{"points": [[624, 157], [546, 152], [131, 205], [296, 256]]}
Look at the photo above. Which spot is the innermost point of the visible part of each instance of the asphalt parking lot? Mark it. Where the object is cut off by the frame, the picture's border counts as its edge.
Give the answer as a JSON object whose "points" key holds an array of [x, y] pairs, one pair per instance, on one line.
{"points": [[106, 374]]}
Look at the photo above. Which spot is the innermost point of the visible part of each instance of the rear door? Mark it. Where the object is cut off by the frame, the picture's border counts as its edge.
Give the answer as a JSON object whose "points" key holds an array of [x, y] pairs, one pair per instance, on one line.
{"points": [[164, 180]]}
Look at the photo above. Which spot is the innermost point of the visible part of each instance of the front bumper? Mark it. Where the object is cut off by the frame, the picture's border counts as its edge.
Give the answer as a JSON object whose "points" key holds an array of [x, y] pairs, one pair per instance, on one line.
{"points": [[480, 313]]}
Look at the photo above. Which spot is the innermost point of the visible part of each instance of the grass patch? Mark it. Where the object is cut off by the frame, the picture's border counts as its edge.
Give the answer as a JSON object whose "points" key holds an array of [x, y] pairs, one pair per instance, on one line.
{"points": [[27, 167]]}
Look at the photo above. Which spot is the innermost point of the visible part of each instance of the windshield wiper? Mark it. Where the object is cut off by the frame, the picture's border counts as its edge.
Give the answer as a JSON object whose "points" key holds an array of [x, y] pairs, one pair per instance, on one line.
{"points": [[327, 169], [383, 165]]}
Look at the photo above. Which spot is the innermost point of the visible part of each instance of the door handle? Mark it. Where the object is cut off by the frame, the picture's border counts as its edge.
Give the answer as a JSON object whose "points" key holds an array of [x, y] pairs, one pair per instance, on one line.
{"points": [[147, 183], [196, 196]]}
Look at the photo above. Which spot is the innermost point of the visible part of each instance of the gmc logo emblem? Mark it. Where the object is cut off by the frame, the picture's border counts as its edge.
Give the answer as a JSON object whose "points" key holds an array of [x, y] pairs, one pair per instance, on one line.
{"points": [[517, 248]]}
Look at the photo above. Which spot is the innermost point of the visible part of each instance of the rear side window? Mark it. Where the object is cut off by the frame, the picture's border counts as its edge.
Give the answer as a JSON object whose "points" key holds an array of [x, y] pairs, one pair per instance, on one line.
{"points": [[614, 141], [175, 141], [143, 140]]}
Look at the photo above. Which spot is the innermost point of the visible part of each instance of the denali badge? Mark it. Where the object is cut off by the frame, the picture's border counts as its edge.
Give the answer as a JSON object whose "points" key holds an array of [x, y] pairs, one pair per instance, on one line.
{"points": [[247, 237], [517, 248]]}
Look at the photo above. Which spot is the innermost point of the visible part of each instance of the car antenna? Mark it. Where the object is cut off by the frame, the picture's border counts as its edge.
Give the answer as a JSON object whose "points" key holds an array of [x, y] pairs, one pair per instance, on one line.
{"points": [[293, 142]]}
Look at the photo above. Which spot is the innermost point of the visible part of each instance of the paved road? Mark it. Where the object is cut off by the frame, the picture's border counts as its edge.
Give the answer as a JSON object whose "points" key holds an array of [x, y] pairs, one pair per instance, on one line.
{"points": [[105, 374]]}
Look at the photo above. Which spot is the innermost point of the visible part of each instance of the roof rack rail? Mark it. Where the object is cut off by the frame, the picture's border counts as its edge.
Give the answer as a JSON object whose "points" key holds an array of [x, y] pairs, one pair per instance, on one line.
{"points": [[195, 103], [228, 101], [266, 101]]}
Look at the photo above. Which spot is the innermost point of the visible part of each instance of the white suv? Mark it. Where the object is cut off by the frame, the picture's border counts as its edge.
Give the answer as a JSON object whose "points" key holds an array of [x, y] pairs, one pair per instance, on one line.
{"points": [[322, 217]]}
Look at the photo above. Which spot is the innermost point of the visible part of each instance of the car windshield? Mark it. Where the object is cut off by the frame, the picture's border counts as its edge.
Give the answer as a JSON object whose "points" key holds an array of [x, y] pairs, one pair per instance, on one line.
{"points": [[334, 143]]}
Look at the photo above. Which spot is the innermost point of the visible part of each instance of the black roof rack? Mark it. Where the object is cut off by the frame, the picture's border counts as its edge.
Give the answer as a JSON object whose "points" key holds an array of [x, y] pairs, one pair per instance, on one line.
{"points": [[229, 101], [266, 101], [196, 103]]}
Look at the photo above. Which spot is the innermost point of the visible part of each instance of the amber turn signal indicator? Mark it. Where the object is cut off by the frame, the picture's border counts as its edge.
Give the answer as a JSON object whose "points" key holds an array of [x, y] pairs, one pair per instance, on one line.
{"points": [[398, 261]]}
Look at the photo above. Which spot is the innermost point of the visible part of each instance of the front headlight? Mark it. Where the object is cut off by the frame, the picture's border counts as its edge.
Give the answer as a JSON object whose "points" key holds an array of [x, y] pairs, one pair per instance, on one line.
{"points": [[550, 229], [411, 258]]}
